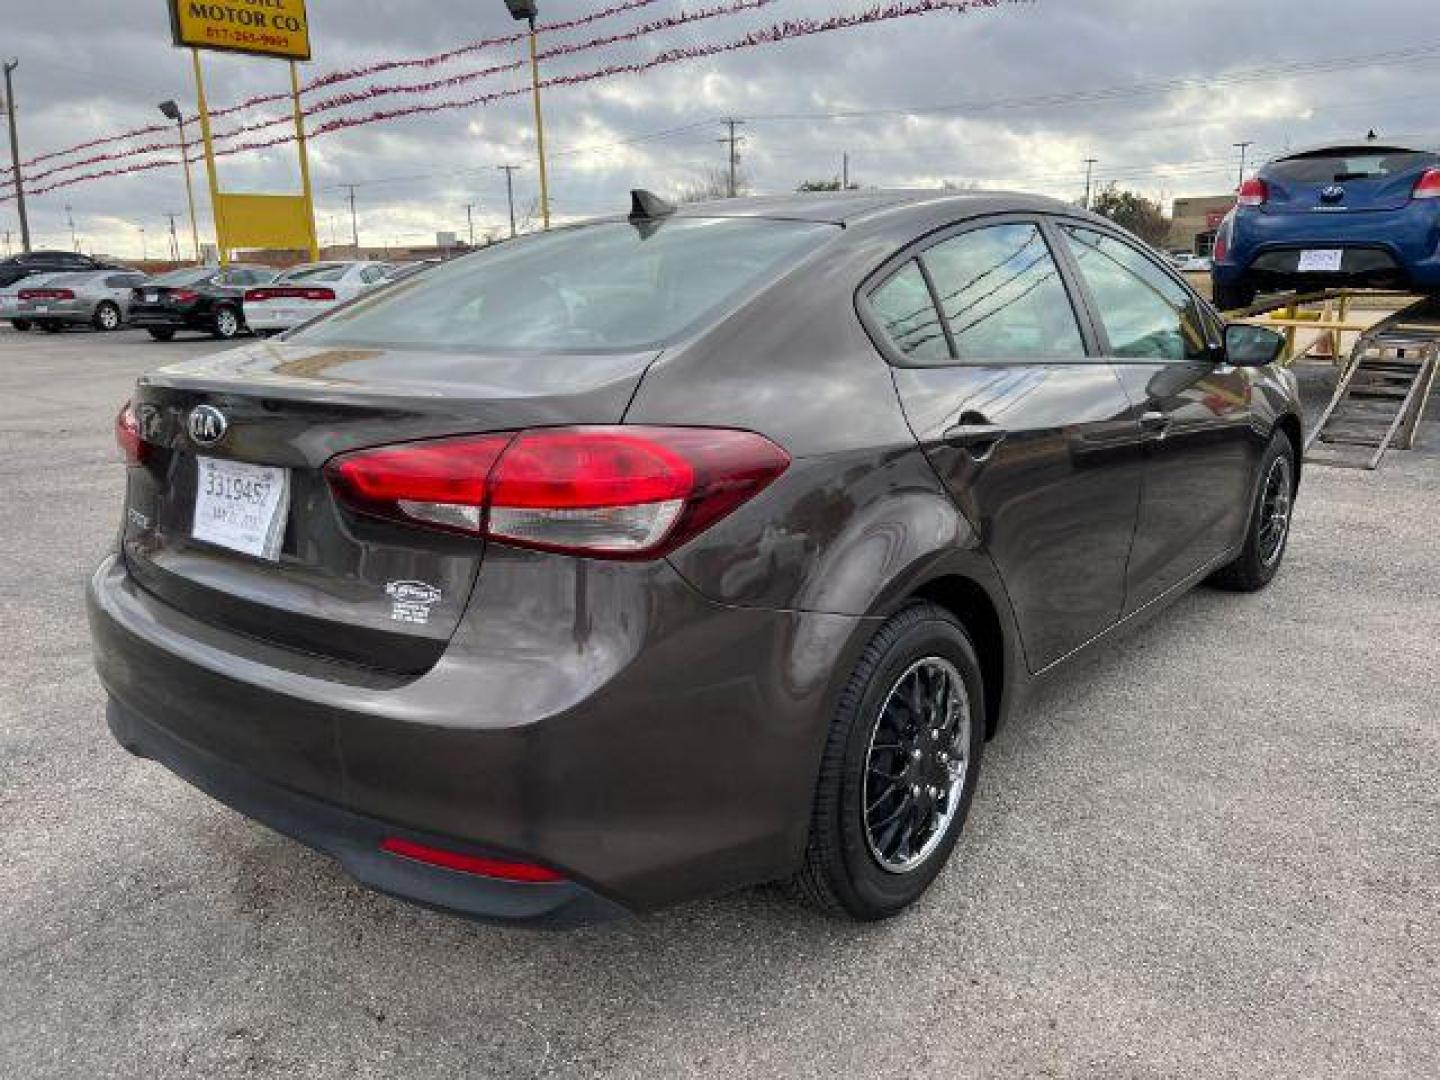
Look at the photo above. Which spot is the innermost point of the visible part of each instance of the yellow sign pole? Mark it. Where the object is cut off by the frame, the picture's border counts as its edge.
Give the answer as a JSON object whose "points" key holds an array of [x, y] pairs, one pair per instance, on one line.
{"points": [[539, 129], [307, 194], [210, 160]]}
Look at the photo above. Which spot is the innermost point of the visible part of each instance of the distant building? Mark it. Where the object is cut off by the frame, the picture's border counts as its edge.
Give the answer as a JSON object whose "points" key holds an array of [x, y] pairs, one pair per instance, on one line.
{"points": [[1193, 222]]}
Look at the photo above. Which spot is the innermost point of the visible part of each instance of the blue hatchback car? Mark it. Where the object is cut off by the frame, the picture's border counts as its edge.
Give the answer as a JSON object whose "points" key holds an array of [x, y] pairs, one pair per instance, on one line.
{"points": [[1362, 215]]}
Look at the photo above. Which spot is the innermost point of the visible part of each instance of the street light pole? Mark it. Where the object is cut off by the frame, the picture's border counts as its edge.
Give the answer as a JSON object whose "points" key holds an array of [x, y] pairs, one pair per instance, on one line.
{"points": [[172, 112], [527, 10], [1090, 164], [10, 66]]}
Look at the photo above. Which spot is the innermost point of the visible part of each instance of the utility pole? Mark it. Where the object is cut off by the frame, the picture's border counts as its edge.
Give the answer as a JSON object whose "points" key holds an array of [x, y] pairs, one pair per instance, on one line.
{"points": [[144, 247], [10, 66], [470, 221], [70, 220], [734, 142], [174, 237], [1242, 147], [845, 172], [354, 221], [1090, 164], [509, 171]]}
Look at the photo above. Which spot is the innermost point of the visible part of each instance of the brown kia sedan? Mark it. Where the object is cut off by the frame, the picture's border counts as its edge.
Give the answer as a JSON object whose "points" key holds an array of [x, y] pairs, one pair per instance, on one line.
{"points": [[680, 551]]}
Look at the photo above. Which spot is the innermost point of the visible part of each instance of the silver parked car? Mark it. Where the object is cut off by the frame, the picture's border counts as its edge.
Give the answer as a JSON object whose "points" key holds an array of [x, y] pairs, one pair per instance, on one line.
{"points": [[99, 298], [10, 298]]}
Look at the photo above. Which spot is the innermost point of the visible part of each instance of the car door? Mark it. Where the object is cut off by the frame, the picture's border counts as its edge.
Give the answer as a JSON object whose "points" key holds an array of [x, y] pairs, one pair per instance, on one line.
{"points": [[1194, 412], [1029, 429]]}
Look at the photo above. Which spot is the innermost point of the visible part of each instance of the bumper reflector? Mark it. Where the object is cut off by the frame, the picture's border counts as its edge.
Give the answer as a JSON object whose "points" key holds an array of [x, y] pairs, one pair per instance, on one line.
{"points": [[502, 869]]}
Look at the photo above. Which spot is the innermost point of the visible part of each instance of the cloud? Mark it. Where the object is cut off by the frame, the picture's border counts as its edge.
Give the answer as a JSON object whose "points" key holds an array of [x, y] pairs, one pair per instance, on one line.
{"points": [[1002, 98]]}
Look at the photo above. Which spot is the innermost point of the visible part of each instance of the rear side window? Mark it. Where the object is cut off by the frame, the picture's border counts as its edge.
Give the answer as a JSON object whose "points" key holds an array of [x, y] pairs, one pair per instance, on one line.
{"points": [[1341, 165], [313, 273], [1148, 315], [1001, 293], [612, 286], [908, 317]]}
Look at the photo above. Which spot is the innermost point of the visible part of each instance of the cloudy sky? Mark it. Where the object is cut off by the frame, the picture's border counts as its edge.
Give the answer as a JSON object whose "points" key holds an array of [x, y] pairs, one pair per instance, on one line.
{"points": [[1017, 97]]}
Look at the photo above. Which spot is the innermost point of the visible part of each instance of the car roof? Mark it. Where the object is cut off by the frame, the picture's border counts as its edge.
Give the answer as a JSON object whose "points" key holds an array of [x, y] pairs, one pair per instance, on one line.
{"points": [[846, 207]]}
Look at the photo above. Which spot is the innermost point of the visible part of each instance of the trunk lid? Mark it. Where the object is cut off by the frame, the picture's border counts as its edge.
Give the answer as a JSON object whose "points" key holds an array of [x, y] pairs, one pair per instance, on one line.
{"points": [[1344, 180], [342, 587]]}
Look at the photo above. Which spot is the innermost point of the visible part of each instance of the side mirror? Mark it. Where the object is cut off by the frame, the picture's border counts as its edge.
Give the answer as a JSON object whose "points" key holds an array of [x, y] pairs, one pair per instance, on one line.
{"points": [[1252, 346]]}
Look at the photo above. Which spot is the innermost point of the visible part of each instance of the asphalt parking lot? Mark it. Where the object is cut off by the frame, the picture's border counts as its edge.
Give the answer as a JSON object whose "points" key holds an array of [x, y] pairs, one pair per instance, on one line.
{"points": [[1211, 851]]}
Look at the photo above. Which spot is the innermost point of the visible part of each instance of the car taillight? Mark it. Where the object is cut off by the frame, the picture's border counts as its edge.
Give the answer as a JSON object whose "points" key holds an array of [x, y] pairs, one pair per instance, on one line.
{"points": [[317, 294], [1253, 192], [47, 294], [1428, 186], [133, 448], [185, 296], [610, 492], [254, 295]]}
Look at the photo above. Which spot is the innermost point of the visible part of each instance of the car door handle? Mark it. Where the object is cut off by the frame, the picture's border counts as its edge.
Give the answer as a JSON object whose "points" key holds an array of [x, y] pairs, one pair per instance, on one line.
{"points": [[979, 439], [1154, 425]]}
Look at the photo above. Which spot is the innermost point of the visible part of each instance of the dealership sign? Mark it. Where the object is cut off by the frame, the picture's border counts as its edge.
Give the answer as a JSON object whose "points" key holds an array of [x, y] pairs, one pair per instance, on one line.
{"points": [[260, 27]]}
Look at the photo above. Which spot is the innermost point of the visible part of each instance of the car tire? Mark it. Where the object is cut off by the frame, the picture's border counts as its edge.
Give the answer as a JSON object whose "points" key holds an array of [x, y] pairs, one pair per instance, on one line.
{"points": [[50, 326], [854, 864], [161, 333], [227, 323], [107, 316], [1232, 295], [20, 324], [1269, 528]]}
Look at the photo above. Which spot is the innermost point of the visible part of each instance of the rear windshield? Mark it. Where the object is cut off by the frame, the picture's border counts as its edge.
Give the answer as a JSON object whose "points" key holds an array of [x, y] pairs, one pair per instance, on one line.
{"points": [[314, 273], [75, 279], [189, 276], [1338, 166], [611, 286]]}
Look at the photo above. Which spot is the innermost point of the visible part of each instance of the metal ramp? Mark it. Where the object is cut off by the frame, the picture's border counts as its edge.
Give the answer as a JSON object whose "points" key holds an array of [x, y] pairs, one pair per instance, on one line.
{"points": [[1381, 397]]}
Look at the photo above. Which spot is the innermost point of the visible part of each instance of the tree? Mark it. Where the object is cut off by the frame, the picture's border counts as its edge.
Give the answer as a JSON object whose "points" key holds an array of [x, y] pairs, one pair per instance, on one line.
{"points": [[1133, 211], [833, 184], [715, 184]]}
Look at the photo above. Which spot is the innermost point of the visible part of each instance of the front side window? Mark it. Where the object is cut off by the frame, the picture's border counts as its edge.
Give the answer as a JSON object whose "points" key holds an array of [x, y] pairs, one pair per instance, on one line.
{"points": [[606, 287], [1147, 314], [1002, 295], [908, 317]]}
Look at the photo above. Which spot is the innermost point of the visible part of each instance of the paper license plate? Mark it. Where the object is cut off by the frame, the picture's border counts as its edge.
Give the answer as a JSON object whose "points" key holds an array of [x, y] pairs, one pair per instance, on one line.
{"points": [[40, 309], [1320, 261], [151, 297], [241, 507]]}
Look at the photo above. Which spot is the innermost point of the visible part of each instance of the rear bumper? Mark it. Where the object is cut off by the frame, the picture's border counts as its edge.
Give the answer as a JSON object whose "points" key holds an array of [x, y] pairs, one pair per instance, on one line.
{"points": [[178, 320], [60, 311], [258, 318], [603, 720], [1399, 248], [355, 840]]}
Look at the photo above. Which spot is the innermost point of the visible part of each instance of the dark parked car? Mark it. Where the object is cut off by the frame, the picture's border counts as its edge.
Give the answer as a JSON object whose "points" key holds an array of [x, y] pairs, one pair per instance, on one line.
{"points": [[1333, 217], [204, 298], [653, 557], [15, 267]]}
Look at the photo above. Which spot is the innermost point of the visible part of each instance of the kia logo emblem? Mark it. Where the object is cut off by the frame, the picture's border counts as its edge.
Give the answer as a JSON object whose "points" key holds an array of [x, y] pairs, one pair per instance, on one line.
{"points": [[207, 425]]}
